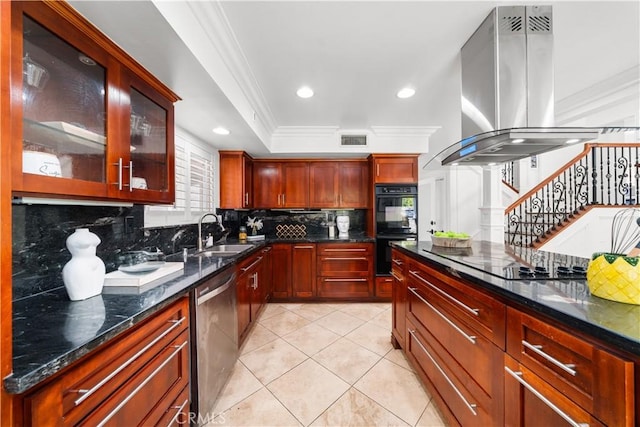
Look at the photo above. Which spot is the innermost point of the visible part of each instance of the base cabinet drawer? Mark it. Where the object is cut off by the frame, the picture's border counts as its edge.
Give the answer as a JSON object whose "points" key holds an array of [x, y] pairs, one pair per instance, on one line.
{"points": [[344, 287], [530, 401], [471, 307], [133, 380], [464, 399], [471, 351], [586, 374]]}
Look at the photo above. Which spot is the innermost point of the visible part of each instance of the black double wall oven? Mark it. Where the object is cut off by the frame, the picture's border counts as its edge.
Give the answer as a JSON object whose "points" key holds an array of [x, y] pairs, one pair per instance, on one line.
{"points": [[396, 214]]}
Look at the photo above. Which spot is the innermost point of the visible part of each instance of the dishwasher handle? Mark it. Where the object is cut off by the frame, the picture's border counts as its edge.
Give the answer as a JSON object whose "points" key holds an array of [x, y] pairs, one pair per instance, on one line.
{"points": [[207, 294]]}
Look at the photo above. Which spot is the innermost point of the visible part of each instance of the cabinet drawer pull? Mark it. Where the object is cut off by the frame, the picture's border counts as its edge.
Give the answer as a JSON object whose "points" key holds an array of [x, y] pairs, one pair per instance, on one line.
{"points": [[396, 261], [346, 250], [472, 406], [135, 391], [395, 276], [361, 258], [265, 250], [567, 367], [251, 265], [130, 176], [246, 199], [178, 412], [87, 393], [474, 311], [303, 247], [470, 338], [517, 376], [346, 280], [283, 202]]}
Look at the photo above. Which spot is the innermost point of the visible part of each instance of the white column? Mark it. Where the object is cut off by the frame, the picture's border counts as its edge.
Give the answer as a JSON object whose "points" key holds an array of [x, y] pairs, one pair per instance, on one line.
{"points": [[492, 209]]}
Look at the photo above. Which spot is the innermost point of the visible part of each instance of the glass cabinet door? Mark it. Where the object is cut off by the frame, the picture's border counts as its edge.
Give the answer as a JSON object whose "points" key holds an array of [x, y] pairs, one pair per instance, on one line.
{"points": [[64, 108], [148, 143]]}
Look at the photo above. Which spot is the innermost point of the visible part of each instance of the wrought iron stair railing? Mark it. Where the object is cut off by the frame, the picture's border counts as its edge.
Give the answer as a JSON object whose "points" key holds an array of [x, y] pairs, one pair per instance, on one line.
{"points": [[602, 175]]}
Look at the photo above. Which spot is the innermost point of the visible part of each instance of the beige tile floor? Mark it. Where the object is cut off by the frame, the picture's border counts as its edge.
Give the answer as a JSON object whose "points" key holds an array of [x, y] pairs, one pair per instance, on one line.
{"points": [[319, 364]]}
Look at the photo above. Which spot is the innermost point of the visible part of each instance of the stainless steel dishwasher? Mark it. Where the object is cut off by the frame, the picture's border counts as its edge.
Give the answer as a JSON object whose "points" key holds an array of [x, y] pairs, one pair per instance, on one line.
{"points": [[215, 342]]}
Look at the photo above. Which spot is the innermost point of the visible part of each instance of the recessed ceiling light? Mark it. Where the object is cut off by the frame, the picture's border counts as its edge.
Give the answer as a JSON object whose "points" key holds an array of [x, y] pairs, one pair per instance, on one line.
{"points": [[491, 164], [517, 141], [305, 92], [406, 92], [221, 131], [572, 141]]}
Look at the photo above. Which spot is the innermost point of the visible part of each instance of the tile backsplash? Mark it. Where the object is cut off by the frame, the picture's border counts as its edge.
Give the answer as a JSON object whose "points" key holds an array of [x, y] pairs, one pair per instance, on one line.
{"points": [[39, 234]]}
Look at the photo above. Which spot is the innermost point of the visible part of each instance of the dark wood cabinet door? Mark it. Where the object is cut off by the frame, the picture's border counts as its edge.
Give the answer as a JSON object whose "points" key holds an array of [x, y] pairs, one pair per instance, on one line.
{"points": [[295, 188], [353, 179], [281, 271], [267, 185], [236, 174], [247, 183], [103, 131], [265, 275], [303, 270], [395, 169], [323, 184]]}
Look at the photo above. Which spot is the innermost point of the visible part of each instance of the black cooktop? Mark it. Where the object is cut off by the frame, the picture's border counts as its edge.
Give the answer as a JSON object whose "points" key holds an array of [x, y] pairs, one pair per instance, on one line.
{"points": [[515, 263]]}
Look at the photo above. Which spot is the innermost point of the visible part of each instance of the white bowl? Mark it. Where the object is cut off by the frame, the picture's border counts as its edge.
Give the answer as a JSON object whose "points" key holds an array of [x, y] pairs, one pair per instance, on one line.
{"points": [[39, 163]]}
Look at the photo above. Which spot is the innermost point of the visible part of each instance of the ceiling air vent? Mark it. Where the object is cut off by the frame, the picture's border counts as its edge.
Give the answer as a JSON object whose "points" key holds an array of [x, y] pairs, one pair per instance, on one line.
{"points": [[350, 140]]}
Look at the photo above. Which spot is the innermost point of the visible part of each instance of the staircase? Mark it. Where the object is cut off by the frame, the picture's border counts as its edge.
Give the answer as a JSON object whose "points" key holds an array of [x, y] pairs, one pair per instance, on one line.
{"points": [[601, 175]]}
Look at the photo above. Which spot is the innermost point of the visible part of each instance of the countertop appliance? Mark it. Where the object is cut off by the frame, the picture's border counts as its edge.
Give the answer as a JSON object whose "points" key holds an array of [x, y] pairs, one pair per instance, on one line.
{"points": [[515, 263], [214, 341], [396, 214]]}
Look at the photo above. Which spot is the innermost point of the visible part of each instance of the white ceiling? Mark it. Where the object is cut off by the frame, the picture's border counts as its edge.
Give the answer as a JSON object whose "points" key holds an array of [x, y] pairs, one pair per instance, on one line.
{"points": [[238, 63]]}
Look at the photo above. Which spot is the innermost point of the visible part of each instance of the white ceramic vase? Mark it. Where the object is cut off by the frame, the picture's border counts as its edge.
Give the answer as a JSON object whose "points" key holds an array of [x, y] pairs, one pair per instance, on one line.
{"points": [[83, 275]]}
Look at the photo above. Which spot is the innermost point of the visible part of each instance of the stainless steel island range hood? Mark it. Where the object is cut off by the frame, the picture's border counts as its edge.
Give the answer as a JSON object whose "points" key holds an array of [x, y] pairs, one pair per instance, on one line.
{"points": [[507, 91]]}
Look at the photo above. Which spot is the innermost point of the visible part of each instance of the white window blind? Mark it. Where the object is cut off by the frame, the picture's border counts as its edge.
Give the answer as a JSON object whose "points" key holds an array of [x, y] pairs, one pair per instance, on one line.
{"points": [[200, 186]]}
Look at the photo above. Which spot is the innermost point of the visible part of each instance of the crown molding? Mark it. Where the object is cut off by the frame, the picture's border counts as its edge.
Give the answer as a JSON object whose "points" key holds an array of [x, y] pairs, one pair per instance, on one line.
{"points": [[205, 30], [597, 98]]}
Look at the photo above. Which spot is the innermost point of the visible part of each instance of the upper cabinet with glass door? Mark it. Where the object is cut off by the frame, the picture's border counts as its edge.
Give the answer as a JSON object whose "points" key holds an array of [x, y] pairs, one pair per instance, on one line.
{"points": [[88, 121]]}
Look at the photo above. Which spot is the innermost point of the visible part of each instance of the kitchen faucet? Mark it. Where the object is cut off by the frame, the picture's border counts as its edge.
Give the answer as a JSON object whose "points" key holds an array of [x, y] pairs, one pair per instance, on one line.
{"points": [[218, 219]]}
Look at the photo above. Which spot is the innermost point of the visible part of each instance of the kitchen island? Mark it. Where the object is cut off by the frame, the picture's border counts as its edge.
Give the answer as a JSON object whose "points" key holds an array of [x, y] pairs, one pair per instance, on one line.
{"points": [[497, 347]]}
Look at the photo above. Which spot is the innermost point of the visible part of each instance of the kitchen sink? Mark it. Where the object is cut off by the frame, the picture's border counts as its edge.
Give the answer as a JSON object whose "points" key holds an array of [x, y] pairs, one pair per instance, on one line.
{"points": [[223, 250]]}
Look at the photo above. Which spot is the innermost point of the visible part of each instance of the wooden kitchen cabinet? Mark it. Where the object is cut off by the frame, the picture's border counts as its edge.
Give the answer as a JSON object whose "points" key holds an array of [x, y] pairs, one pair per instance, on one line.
{"points": [[280, 184], [345, 270], [136, 379], [548, 366], [394, 168], [399, 266], [87, 120], [236, 180], [250, 289], [488, 361], [281, 271], [303, 270], [384, 286], [453, 339], [338, 184]]}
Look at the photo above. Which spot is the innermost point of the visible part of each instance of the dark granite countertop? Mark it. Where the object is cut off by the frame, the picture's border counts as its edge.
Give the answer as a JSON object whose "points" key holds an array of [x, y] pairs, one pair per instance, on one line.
{"points": [[50, 332], [565, 300]]}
